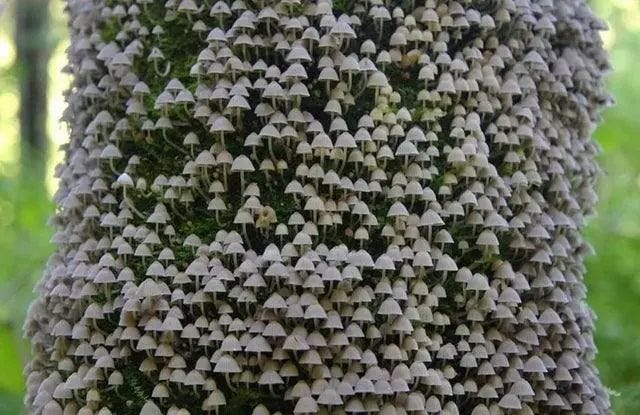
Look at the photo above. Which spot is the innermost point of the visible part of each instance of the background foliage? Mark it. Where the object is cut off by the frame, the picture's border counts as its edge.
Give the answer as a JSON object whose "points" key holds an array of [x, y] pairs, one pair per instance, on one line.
{"points": [[613, 278]]}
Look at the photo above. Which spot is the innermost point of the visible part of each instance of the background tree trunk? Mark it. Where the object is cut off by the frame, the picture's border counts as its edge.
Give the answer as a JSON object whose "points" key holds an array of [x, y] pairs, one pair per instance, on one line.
{"points": [[33, 48]]}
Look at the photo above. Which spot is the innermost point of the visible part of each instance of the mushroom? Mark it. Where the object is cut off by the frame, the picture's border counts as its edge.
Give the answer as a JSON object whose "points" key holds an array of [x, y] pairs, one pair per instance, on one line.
{"points": [[242, 165]]}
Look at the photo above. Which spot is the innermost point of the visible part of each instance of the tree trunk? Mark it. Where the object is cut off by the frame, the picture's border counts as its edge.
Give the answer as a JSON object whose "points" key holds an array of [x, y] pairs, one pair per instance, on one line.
{"points": [[33, 48], [350, 206]]}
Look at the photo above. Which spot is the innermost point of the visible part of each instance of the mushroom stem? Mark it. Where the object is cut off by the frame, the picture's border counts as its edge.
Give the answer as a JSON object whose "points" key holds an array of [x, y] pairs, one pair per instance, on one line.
{"points": [[131, 206], [112, 167], [224, 177], [166, 139], [228, 379], [158, 71], [270, 145]]}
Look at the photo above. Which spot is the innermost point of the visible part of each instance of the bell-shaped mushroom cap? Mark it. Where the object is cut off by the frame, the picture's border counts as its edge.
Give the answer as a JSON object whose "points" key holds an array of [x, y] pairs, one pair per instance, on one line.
{"points": [[260, 410], [329, 397], [150, 408], [446, 263], [270, 377], [306, 405], [510, 402], [226, 364], [480, 409], [52, 408], [242, 164]]}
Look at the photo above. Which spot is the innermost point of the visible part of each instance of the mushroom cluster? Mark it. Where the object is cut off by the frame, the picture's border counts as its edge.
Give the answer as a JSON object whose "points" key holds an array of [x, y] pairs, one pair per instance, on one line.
{"points": [[317, 207]]}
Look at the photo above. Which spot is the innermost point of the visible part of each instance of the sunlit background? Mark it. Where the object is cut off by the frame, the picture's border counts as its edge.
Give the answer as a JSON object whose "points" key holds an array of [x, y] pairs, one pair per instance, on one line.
{"points": [[613, 280]]}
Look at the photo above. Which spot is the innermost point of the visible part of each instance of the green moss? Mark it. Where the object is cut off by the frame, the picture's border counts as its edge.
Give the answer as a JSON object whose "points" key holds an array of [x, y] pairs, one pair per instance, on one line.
{"points": [[129, 398], [244, 400], [110, 30], [101, 298], [297, 9], [342, 6]]}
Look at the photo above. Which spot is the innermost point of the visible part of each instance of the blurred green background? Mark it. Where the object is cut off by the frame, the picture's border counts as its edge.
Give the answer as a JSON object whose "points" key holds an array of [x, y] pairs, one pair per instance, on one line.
{"points": [[613, 280]]}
